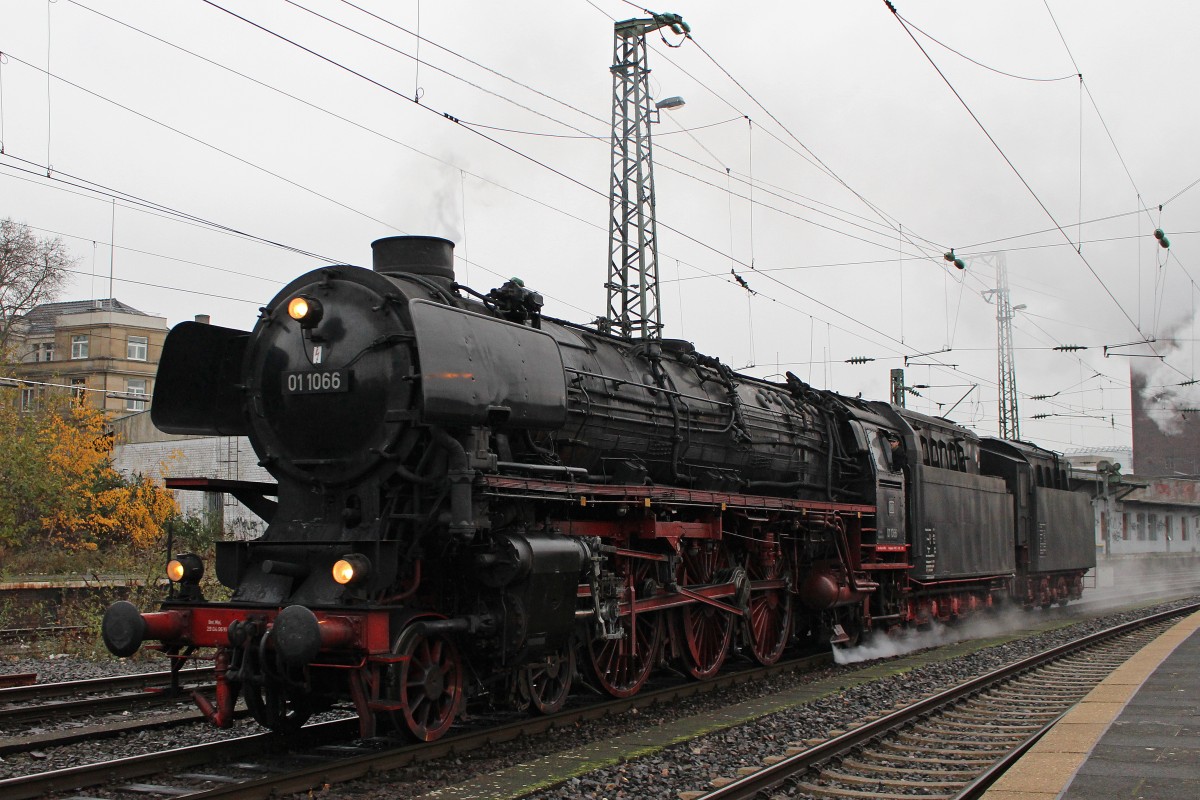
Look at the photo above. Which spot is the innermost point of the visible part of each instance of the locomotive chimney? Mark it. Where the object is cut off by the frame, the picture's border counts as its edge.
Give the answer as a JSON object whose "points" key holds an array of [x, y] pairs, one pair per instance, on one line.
{"points": [[430, 257]]}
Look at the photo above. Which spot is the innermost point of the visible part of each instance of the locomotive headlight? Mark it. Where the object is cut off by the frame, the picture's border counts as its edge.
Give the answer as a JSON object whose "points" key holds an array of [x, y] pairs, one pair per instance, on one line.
{"points": [[351, 568], [305, 310], [185, 568]]}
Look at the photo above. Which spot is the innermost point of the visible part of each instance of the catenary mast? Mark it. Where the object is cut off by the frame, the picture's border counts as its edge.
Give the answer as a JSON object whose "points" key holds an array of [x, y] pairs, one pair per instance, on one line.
{"points": [[633, 300], [1006, 369]]}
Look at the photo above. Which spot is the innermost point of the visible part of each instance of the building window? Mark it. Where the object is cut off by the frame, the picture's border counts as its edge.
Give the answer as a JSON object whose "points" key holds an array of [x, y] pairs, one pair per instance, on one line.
{"points": [[1141, 527], [78, 388], [1153, 527], [135, 386], [136, 347], [43, 352], [28, 399], [79, 347]]}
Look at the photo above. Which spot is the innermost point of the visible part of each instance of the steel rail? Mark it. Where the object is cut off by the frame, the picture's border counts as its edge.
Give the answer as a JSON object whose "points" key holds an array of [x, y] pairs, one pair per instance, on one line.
{"points": [[71, 778], [329, 771], [769, 778], [34, 691], [16, 715]]}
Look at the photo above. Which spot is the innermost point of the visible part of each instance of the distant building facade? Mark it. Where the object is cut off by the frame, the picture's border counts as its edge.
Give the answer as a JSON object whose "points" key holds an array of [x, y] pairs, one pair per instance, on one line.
{"points": [[103, 350], [1143, 516]]}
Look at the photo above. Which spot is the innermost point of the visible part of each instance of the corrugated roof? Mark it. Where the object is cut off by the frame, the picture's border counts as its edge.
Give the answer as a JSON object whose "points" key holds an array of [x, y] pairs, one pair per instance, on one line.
{"points": [[41, 318]]}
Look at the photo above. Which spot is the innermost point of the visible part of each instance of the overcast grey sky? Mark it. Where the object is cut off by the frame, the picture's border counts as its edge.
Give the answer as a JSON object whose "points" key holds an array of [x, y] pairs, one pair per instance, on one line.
{"points": [[826, 161]]}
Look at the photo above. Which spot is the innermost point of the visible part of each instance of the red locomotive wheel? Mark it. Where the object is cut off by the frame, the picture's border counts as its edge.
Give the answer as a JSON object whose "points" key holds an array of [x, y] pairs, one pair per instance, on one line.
{"points": [[769, 626], [621, 666], [702, 632], [428, 685], [547, 683]]}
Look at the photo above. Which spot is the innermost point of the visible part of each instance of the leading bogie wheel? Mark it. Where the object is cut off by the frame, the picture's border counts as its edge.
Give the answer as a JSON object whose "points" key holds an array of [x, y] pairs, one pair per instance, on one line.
{"points": [[272, 706], [427, 684]]}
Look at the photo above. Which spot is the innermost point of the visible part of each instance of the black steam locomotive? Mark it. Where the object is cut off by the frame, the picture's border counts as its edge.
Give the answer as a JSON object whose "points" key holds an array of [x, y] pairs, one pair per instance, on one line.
{"points": [[478, 503]]}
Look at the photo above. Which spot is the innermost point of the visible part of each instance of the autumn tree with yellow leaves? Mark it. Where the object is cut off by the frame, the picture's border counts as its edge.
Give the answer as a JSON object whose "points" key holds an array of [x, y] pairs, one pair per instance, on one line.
{"points": [[58, 487]]}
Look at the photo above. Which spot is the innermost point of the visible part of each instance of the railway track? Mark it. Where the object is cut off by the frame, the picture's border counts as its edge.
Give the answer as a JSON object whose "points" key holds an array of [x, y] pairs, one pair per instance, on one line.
{"points": [[40, 705], [956, 743], [255, 766], [258, 766], [27, 692]]}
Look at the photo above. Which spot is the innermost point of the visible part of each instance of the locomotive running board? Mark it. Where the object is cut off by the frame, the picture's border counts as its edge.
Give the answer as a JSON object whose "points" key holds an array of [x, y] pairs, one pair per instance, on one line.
{"points": [[644, 495], [252, 494]]}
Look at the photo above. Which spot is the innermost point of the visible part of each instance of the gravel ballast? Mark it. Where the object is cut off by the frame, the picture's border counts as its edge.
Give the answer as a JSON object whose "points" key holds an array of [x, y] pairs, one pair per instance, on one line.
{"points": [[687, 766]]}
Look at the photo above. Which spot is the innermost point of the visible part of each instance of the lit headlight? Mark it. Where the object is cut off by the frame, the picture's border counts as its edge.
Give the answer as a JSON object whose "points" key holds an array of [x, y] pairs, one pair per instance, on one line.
{"points": [[352, 568], [305, 310], [185, 568]]}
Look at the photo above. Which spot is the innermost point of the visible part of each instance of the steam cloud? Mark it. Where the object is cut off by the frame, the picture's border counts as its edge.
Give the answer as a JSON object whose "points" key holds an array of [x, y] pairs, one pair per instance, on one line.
{"points": [[1167, 404]]}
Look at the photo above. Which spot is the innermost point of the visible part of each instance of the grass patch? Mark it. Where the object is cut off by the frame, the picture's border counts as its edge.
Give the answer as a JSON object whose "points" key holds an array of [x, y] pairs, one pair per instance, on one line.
{"points": [[112, 573]]}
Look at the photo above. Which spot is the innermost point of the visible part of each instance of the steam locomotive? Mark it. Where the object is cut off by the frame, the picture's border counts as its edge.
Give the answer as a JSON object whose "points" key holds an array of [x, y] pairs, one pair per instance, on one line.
{"points": [[476, 503]]}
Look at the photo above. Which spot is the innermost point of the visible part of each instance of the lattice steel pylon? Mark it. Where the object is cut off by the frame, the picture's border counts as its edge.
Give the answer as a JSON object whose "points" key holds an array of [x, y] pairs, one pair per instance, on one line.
{"points": [[1006, 369], [633, 302]]}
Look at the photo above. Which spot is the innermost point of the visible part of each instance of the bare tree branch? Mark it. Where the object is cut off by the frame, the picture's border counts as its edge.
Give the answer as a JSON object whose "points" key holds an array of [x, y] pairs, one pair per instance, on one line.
{"points": [[32, 271]]}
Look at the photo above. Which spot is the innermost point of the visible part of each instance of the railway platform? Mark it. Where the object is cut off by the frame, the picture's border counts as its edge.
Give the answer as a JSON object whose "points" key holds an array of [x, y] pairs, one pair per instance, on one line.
{"points": [[1135, 737]]}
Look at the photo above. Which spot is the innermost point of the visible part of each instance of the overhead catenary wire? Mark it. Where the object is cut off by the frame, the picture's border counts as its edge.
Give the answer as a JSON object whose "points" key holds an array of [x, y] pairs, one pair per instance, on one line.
{"points": [[807, 154], [469, 123], [177, 215], [760, 267], [904, 25], [554, 207], [570, 178], [978, 63]]}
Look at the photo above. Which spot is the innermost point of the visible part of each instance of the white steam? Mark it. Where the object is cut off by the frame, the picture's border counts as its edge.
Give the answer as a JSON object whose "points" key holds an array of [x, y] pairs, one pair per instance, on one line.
{"points": [[883, 645], [1167, 403]]}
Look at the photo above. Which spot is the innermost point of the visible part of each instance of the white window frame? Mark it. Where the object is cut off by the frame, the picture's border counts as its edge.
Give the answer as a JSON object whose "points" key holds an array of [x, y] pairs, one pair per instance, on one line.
{"points": [[80, 345], [29, 399], [137, 348], [130, 403]]}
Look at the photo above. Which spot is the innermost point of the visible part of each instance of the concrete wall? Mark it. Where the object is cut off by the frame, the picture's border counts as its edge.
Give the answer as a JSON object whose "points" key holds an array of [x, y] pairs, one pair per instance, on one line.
{"points": [[141, 448]]}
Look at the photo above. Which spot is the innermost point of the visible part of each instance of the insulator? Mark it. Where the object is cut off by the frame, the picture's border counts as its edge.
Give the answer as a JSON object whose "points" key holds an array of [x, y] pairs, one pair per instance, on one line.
{"points": [[958, 262], [1158, 233], [1070, 348], [1164, 242], [858, 360], [949, 256]]}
